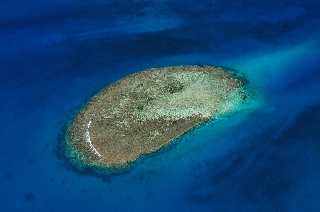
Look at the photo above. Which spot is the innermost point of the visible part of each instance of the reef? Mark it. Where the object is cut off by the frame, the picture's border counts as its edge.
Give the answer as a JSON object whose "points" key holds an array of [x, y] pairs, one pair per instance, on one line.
{"points": [[145, 111]]}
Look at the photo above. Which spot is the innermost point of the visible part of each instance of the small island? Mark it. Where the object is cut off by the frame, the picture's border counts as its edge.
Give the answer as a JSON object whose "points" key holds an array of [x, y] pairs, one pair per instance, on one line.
{"points": [[145, 111]]}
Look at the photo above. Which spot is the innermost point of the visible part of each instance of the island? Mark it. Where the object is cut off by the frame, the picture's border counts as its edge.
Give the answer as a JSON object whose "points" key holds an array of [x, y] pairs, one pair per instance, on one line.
{"points": [[146, 111]]}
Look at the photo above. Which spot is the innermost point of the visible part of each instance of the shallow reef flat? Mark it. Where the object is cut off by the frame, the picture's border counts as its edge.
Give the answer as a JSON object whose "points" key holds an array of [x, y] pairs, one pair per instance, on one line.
{"points": [[145, 111]]}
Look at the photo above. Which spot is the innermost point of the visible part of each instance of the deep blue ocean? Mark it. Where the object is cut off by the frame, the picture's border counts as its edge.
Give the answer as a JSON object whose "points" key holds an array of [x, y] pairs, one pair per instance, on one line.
{"points": [[55, 55]]}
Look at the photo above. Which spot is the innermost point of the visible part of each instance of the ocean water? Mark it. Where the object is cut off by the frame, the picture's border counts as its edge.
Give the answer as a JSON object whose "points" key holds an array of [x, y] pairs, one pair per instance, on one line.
{"points": [[56, 54]]}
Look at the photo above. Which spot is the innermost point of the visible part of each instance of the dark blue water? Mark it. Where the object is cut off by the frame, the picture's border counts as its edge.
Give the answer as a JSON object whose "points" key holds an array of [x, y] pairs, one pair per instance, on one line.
{"points": [[56, 54]]}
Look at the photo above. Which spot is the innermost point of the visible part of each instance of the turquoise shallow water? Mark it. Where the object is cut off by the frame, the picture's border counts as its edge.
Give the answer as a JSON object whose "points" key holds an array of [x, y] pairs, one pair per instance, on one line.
{"points": [[55, 56]]}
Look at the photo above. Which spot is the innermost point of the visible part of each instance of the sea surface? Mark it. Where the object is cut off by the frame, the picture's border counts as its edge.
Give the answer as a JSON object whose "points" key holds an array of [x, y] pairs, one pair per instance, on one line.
{"points": [[55, 55]]}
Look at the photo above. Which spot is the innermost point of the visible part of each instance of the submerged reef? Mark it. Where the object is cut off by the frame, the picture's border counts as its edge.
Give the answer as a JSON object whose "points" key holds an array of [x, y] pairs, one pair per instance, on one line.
{"points": [[145, 111]]}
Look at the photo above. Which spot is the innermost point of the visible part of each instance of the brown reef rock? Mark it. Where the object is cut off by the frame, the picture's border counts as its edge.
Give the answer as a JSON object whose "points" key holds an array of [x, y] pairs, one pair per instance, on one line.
{"points": [[147, 110]]}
